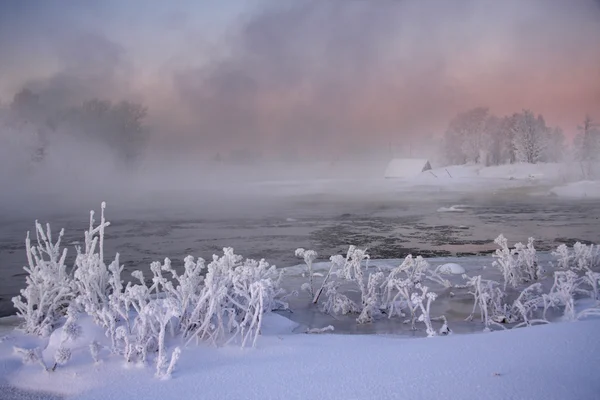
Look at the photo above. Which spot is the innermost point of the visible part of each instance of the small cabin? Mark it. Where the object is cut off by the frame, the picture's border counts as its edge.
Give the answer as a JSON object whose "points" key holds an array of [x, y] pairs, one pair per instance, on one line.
{"points": [[404, 168]]}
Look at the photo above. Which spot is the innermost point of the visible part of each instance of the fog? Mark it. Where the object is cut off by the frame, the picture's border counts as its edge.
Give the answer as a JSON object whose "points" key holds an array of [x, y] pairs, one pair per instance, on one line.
{"points": [[276, 90]]}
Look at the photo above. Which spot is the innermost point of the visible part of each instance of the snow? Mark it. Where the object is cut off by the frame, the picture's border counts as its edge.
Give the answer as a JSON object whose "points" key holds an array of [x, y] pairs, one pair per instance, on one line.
{"points": [[517, 174], [578, 190], [451, 268], [529, 363], [454, 208], [406, 167]]}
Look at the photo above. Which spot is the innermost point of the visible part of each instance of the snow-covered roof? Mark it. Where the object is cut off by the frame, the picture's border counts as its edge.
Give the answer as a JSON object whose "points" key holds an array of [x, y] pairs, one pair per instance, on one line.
{"points": [[406, 167]]}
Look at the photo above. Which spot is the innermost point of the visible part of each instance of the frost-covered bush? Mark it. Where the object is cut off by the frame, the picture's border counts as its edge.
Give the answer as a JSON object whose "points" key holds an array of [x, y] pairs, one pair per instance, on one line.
{"points": [[91, 277], [221, 302], [337, 303], [405, 281], [392, 293], [353, 269], [48, 289], [562, 293], [526, 304], [495, 309], [518, 265], [488, 297], [581, 257]]}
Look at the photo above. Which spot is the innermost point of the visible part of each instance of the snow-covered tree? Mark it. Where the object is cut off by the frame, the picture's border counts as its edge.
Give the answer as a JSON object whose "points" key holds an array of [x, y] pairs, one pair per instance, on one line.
{"points": [[530, 137], [555, 149], [465, 139], [587, 146], [500, 143]]}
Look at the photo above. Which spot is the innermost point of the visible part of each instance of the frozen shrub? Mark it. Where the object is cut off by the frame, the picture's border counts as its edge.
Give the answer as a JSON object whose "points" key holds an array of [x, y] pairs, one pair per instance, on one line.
{"points": [[562, 293], [226, 304], [526, 304], [580, 258], [371, 300], [31, 356], [309, 257], [235, 295], [91, 276], [417, 299], [562, 256], [337, 303], [506, 263], [488, 297], [518, 265], [585, 257], [48, 292], [61, 357], [400, 285], [527, 261], [592, 279], [336, 263]]}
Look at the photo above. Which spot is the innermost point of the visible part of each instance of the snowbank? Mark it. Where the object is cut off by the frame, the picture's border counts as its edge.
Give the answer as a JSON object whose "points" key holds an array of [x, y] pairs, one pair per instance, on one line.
{"points": [[558, 361], [460, 176], [578, 190], [451, 268]]}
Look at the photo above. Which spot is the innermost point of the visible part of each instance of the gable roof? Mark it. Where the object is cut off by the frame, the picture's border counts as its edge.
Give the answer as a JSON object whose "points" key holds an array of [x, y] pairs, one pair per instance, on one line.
{"points": [[406, 167]]}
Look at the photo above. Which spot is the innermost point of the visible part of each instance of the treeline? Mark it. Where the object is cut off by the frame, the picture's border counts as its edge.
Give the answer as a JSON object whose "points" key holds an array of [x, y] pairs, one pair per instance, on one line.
{"points": [[476, 136], [117, 127]]}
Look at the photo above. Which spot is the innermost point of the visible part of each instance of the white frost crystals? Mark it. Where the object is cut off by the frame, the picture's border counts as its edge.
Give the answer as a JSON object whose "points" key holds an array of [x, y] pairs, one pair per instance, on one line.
{"points": [[220, 302]]}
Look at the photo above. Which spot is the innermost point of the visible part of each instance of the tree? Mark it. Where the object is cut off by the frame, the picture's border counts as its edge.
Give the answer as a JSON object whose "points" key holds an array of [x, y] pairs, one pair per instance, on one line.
{"points": [[465, 138], [28, 117], [119, 126], [587, 142], [530, 137], [555, 149], [587, 145]]}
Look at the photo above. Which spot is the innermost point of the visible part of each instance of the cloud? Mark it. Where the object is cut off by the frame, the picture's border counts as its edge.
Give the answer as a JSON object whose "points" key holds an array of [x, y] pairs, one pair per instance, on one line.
{"points": [[332, 74]]}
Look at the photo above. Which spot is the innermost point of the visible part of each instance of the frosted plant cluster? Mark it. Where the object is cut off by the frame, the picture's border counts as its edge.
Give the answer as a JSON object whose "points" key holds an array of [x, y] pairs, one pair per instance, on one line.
{"points": [[519, 300], [399, 292], [222, 301]]}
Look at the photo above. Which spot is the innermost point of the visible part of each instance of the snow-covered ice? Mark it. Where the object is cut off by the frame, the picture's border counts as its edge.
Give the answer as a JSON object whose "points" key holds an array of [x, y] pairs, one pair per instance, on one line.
{"points": [[558, 361]]}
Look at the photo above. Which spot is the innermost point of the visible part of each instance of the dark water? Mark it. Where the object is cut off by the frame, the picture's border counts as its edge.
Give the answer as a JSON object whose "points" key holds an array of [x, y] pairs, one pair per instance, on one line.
{"points": [[390, 224]]}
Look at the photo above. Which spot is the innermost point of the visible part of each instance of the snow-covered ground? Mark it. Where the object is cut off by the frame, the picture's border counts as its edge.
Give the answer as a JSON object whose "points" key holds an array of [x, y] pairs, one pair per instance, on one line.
{"points": [[558, 361]]}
